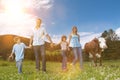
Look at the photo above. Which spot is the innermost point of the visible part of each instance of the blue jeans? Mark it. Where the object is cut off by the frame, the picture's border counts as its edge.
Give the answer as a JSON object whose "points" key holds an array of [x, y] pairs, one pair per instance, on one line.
{"points": [[37, 51], [64, 61], [19, 66], [77, 51]]}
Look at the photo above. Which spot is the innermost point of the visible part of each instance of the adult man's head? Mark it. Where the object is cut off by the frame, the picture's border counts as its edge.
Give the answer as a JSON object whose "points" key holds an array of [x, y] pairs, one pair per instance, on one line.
{"points": [[38, 22]]}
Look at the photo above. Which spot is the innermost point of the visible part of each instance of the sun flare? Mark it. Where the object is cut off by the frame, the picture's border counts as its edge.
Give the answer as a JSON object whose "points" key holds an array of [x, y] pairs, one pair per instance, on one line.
{"points": [[14, 9]]}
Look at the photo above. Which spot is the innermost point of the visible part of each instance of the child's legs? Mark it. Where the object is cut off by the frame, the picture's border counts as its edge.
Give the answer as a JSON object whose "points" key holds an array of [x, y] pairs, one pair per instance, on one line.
{"points": [[43, 55], [36, 52], [79, 50], [75, 56], [19, 66], [64, 61]]}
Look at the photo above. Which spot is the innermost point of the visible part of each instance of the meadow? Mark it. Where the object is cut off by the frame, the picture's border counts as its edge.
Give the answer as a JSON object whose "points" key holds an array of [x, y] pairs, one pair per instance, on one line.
{"points": [[109, 71]]}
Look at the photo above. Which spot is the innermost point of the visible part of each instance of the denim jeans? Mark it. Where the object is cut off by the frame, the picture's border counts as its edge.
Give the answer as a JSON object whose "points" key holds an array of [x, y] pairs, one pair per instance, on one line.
{"points": [[19, 66], [77, 51], [37, 51], [64, 61]]}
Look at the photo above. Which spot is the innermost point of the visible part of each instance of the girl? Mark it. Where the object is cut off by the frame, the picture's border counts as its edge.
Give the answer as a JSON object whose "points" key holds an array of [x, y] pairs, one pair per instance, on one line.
{"points": [[74, 43], [64, 49]]}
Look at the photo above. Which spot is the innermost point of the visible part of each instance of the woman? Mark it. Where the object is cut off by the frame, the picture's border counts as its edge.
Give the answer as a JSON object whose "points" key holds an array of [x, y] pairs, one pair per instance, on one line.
{"points": [[74, 43]]}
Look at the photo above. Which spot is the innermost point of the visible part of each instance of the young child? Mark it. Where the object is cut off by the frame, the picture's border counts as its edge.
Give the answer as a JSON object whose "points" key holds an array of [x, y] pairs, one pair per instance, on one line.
{"points": [[64, 49], [18, 50], [74, 43]]}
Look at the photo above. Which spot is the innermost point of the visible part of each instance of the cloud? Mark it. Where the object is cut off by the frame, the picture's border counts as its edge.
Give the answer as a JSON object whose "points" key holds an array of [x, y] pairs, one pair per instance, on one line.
{"points": [[85, 33], [38, 4], [22, 25], [86, 38], [117, 31]]}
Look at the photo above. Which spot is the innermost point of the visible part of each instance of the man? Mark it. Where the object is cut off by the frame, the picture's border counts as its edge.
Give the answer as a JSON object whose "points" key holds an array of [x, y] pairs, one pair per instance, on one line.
{"points": [[38, 42]]}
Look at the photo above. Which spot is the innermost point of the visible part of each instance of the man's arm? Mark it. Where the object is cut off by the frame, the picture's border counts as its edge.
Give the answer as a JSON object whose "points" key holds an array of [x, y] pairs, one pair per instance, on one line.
{"points": [[31, 40], [49, 38], [30, 46]]}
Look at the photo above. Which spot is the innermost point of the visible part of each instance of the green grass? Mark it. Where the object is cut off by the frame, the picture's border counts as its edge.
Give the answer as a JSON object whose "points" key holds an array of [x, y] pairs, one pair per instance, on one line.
{"points": [[109, 71]]}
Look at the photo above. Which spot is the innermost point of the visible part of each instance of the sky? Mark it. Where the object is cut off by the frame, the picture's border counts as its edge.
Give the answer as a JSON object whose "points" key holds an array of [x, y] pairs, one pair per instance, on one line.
{"points": [[92, 17]]}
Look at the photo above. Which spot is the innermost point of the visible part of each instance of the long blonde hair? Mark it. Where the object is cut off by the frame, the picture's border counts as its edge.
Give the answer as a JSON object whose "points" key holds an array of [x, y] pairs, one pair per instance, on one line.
{"points": [[74, 27]]}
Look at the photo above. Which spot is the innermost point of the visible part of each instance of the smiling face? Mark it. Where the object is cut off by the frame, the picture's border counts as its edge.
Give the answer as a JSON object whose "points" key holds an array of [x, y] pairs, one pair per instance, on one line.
{"points": [[102, 43]]}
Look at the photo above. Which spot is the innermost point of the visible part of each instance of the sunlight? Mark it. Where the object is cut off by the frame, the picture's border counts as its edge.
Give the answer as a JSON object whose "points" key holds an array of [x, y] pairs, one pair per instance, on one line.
{"points": [[14, 9], [15, 19]]}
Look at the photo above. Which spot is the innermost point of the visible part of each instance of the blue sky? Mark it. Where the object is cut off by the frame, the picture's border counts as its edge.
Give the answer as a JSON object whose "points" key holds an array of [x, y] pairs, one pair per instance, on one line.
{"points": [[87, 15], [92, 17]]}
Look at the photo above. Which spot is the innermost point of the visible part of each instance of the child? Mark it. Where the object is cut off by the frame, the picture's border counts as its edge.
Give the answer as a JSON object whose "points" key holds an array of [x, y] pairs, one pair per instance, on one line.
{"points": [[64, 49], [74, 43], [18, 50]]}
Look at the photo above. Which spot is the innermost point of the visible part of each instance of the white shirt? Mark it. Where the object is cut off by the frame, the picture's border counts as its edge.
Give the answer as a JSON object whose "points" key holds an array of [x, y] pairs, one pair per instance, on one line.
{"points": [[63, 45], [39, 36]]}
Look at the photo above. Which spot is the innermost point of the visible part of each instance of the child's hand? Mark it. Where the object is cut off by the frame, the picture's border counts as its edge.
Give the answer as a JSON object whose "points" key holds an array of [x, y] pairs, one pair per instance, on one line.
{"points": [[68, 49], [30, 46], [10, 57], [52, 45]]}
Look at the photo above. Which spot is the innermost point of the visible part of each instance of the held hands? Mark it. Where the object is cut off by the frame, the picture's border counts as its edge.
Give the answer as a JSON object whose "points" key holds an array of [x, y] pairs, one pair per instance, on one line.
{"points": [[68, 49], [52, 45], [30, 46]]}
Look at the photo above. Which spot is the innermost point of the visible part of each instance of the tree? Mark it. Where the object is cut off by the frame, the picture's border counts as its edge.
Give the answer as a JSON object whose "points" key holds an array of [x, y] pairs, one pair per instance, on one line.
{"points": [[110, 35], [104, 34], [113, 43]]}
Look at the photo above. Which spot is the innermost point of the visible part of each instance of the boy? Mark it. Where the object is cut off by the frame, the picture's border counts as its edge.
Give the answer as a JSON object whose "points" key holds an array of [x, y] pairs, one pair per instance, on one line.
{"points": [[18, 50]]}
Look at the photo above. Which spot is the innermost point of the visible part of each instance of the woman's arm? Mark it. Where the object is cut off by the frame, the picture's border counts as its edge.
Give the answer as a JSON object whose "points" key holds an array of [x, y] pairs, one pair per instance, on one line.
{"points": [[78, 37], [69, 39]]}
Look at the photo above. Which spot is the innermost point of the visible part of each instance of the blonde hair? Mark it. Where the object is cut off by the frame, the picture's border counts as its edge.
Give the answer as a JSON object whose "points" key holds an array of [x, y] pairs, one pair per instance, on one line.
{"points": [[74, 27], [16, 39], [63, 37]]}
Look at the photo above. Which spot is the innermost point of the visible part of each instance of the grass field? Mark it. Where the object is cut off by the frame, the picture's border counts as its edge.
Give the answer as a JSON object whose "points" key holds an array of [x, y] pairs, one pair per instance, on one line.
{"points": [[109, 71]]}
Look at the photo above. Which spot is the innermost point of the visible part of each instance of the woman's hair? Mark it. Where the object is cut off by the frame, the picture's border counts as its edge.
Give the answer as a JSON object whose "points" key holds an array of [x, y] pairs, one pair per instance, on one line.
{"points": [[63, 37], [74, 27], [16, 39]]}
